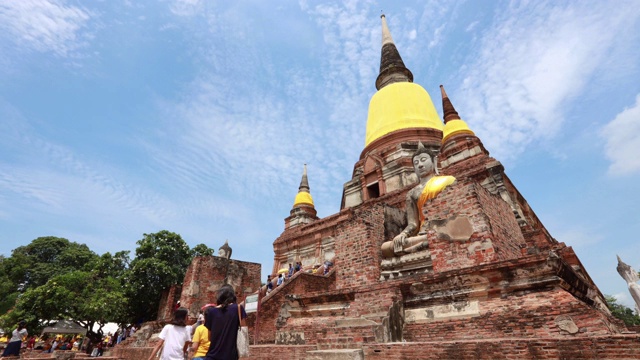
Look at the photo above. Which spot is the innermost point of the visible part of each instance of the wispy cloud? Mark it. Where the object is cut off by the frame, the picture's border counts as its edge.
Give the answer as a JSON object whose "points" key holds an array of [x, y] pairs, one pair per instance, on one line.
{"points": [[579, 237], [622, 136], [261, 136], [40, 172], [535, 59], [44, 25]]}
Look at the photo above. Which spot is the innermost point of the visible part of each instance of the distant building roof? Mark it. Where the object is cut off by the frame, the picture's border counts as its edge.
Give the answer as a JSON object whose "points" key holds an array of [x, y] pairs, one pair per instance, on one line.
{"points": [[65, 327]]}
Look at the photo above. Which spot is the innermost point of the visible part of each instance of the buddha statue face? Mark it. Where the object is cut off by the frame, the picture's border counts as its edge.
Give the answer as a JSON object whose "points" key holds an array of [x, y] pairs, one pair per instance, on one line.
{"points": [[423, 164]]}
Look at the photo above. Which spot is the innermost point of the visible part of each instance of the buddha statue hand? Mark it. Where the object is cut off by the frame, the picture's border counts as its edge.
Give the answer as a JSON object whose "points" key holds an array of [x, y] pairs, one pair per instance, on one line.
{"points": [[403, 244], [399, 243]]}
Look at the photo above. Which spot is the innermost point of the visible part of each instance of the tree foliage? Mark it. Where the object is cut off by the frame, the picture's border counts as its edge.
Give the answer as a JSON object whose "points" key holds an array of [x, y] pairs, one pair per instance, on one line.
{"points": [[53, 278], [80, 296], [33, 265], [161, 261], [202, 250], [622, 312], [115, 265]]}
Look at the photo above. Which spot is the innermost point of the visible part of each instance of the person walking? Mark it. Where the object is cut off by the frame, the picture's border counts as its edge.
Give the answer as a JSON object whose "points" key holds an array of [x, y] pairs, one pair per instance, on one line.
{"points": [[175, 337], [269, 284], [15, 343], [223, 322]]}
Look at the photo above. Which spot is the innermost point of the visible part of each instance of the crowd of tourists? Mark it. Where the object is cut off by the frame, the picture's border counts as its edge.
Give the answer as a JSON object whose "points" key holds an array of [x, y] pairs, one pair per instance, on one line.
{"points": [[213, 337], [20, 341], [286, 274]]}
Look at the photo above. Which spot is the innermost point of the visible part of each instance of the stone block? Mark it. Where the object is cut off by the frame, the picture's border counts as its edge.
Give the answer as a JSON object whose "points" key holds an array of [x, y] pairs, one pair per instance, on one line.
{"points": [[335, 354]]}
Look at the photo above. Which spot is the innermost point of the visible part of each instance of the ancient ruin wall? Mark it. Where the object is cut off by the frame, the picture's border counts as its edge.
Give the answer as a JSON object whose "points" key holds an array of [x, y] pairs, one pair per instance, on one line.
{"points": [[207, 274], [494, 232], [357, 247]]}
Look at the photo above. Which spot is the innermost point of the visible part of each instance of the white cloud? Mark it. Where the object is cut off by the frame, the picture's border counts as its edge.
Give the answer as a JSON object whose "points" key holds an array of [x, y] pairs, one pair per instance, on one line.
{"points": [[579, 237], [472, 26], [43, 25], [624, 298], [186, 7], [437, 36], [534, 60], [622, 136]]}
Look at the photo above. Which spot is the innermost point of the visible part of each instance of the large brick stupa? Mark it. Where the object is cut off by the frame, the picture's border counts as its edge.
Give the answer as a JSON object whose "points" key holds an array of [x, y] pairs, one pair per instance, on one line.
{"points": [[471, 272]]}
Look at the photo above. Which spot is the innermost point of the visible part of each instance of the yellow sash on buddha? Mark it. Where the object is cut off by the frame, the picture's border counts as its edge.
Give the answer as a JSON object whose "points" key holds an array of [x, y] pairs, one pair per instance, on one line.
{"points": [[432, 188]]}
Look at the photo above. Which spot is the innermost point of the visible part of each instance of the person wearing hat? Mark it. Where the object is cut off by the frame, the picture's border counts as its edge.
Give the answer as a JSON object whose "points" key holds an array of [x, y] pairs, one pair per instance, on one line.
{"points": [[200, 342], [14, 345]]}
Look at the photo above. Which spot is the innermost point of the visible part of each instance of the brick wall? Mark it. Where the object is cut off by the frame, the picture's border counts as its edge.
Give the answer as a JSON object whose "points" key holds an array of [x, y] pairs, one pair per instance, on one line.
{"points": [[610, 347], [207, 274], [168, 301], [270, 352], [528, 315], [132, 353], [496, 234], [301, 284], [358, 242]]}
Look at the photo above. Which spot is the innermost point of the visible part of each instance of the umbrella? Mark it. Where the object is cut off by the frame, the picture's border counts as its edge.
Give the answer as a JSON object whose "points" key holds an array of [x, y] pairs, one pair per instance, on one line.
{"points": [[282, 271]]}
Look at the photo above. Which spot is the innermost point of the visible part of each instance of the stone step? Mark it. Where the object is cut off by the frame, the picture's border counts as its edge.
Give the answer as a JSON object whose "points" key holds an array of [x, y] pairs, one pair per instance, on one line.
{"points": [[335, 354]]}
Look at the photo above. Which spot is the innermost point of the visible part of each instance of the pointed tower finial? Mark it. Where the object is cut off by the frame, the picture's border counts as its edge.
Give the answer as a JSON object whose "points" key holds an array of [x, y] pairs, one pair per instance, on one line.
{"points": [[449, 112], [304, 195], [304, 183], [386, 34], [392, 67]]}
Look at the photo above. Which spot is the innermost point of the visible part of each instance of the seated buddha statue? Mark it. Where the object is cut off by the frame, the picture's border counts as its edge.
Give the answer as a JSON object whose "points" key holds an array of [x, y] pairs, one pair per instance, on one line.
{"points": [[414, 237]]}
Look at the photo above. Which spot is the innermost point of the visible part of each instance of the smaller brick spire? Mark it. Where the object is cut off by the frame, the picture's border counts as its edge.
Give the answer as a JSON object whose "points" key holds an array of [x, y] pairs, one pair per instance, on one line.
{"points": [[304, 195], [303, 211], [449, 112]]}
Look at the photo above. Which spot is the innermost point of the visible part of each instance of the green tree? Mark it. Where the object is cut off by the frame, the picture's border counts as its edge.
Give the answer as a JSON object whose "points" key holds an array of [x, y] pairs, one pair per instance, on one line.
{"points": [[201, 250], [161, 261], [79, 296], [33, 265], [114, 265], [622, 312]]}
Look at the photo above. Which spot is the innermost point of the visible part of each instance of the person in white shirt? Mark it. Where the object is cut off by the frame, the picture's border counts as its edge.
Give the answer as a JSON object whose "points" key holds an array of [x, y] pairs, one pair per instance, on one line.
{"points": [[13, 347], [175, 337]]}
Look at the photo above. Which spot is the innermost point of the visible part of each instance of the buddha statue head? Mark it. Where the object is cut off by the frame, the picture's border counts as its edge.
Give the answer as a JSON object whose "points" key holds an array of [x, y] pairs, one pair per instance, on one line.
{"points": [[225, 250], [425, 160]]}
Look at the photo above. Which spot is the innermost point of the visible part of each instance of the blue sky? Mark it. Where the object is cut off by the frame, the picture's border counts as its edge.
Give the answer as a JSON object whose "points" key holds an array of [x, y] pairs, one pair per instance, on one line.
{"points": [[119, 118]]}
